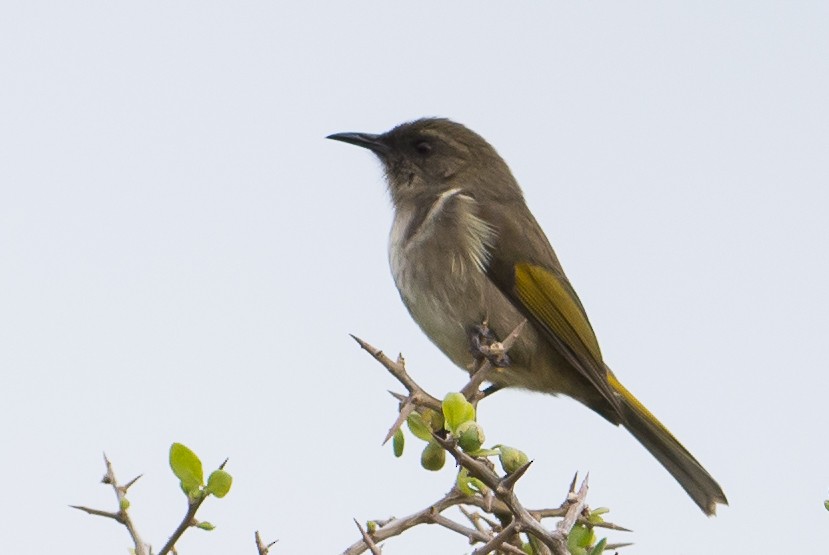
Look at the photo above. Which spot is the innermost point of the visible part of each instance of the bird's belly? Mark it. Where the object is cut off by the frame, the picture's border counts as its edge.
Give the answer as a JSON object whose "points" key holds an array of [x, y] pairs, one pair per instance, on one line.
{"points": [[446, 312], [448, 296]]}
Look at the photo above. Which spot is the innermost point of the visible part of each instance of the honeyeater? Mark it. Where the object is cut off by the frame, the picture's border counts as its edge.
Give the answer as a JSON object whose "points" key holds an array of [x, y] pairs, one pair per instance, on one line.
{"points": [[465, 249]]}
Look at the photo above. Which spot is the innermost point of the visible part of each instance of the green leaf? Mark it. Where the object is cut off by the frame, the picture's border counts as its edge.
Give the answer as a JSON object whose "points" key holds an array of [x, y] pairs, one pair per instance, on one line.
{"points": [[580, 537], [484, 453], [463, 482], [433, 457], [398, 442], [418, 427], [219, 483], [826, 504], [187, 468], [599, 548], [595, 516], [456, 411], [469, 485]]}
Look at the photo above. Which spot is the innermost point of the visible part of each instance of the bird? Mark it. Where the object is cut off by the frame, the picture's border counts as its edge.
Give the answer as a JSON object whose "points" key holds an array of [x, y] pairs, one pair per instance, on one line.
{"points": [[464, 249]]}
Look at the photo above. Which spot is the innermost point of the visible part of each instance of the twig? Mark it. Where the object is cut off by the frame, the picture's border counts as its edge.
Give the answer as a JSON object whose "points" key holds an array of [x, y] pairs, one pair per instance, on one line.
{"points": [[375, 550], [261, 548], [398, 370], [98, 512], [397, 526], [417, 396], [121, 516], [566, 524], [188, 521]]}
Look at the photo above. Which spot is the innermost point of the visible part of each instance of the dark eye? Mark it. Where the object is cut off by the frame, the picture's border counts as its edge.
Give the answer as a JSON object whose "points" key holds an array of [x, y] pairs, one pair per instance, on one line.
{"points": [[423, 148]]}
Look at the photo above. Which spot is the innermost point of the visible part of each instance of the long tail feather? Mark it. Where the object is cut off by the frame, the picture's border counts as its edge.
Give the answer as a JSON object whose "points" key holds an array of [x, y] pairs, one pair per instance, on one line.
{"points": [[690, 474]]}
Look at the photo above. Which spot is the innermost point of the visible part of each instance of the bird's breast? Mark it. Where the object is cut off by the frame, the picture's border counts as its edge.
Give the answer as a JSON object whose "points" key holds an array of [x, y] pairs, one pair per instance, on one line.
{"points": [[438, 264]]}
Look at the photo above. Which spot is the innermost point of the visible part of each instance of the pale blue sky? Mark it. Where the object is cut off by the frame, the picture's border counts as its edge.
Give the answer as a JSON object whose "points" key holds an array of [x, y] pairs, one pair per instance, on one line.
{"points": [[183, 255]]}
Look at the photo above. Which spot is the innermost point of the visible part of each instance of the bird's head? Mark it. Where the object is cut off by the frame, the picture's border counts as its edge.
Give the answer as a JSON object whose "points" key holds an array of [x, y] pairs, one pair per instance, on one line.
{"points": [[429, 156]]}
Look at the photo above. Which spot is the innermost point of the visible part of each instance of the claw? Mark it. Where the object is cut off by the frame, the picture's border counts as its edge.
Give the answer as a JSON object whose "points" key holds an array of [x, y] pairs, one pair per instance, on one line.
{"points": [[484, 345]]}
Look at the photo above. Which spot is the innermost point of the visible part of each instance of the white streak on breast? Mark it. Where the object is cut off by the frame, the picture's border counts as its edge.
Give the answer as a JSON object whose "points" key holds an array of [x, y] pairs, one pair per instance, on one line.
{"points": [[478, 234]]}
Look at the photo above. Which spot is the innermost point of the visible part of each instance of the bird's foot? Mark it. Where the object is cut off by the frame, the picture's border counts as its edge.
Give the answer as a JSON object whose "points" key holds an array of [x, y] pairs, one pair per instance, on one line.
{"points": [[484, 345]]}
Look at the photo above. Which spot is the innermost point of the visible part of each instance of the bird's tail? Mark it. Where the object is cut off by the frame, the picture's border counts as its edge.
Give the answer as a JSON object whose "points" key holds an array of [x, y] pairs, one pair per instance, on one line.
{"points": [[682, 465]]}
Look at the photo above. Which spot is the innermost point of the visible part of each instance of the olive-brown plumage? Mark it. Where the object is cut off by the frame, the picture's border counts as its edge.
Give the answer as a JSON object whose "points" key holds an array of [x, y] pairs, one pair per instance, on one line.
{"points": [[464, 249]]}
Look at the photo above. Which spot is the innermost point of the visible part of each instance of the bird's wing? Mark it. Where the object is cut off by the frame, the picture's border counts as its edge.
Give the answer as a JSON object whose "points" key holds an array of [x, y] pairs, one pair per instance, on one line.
{"points": [[532, 278]]}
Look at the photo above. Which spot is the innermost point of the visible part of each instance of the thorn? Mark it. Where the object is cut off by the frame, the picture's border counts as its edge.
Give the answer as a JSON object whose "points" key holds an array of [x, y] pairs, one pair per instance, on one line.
{"points": [[398, 396], [129, 484], [573, 483], [611, 526], [510, 480], [617, 545], [405, 411], [363, 344], [584, 487]]}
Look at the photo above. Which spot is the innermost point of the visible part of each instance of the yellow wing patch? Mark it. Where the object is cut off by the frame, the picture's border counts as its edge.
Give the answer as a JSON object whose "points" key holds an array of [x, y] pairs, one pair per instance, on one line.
{"points": [[552, 301]]}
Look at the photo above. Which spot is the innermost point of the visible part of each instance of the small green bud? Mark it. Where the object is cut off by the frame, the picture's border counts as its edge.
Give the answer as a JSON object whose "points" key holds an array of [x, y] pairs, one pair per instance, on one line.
{"points": [[433, 457], [456, 411], [218, 483], [470, 436], [511, 458], [124, 504], [371, 526], [397, 442], [826, 504], [205, 526]]}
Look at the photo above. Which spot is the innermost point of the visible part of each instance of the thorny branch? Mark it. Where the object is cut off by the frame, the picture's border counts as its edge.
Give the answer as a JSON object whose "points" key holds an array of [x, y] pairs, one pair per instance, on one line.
{"points": [[495, 535], [122, 515]]}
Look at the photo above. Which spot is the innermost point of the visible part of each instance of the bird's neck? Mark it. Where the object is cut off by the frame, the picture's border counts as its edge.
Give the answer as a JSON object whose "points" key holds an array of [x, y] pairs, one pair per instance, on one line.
{"points": [[447, 225]]}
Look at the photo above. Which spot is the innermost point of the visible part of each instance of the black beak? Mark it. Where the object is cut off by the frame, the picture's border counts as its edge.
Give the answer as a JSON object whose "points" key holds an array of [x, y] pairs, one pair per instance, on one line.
{"points": [[366, 140]]}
